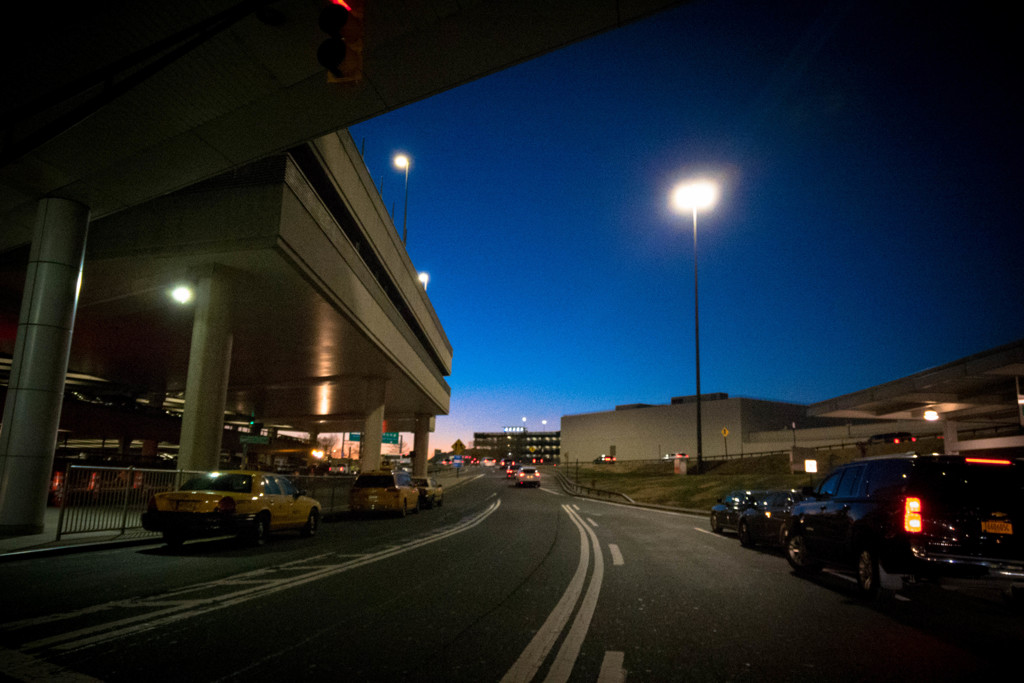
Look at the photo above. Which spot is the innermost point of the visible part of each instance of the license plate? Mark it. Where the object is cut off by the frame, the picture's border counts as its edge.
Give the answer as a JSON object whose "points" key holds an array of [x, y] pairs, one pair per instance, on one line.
{"points": [[997, 527]]}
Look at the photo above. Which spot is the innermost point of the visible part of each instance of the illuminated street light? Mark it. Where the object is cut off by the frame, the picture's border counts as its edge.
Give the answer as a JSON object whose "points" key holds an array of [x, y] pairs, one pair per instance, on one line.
{"points": [[182, 294], [402, 161], [692, 196], [424, 278]]}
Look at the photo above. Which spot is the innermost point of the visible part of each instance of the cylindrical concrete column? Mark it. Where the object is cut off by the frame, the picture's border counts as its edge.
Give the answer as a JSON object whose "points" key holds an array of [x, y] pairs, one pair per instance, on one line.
{"points": [[373, 426], [39, 366], [209, 364], [421, 444]]}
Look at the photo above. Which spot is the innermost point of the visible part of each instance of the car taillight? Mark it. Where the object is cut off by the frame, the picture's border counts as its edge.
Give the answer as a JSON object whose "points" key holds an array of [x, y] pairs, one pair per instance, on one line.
{"points": [[226, 505], [912, 520]]}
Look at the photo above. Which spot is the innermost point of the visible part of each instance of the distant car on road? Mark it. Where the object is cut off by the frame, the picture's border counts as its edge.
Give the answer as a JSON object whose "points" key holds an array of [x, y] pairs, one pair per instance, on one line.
{"points": [[892, 437], [527, 476], [431, 492], [384, 490], [674, 456], [768, 520], [605, 459], [510, 470], [726, 513], [247, 503], [949, 518]]}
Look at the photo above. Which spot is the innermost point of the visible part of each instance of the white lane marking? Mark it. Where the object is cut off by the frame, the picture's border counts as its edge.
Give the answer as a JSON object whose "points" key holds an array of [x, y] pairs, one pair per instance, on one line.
{"points": [[569, 652], [575, 506], [531, 659], [175, 610], [611, 668], [617, 558], [592, 522], [22, 667]]}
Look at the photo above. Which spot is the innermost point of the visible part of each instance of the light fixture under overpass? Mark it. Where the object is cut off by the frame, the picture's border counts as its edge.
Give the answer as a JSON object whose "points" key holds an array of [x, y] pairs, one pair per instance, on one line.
{"points": [[182, 294]]}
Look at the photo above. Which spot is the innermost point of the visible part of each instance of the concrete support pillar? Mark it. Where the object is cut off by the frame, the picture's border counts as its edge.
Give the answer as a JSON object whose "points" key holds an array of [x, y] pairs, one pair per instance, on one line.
{"points": [[421, 444], [950, 437], [373, 426], [209, 363], [39, 366]]}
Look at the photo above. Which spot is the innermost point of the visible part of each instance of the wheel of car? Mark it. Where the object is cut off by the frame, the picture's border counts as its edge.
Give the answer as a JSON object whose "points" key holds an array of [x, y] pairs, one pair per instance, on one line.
{"points": [[260, 530], [743, 531], [312, 523], [868, 576], [715, 524], [173, 540], [796, 554]]}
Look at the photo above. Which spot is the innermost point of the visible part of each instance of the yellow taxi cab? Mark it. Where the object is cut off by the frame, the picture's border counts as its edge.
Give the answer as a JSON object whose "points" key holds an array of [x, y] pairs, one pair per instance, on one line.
{"points": [[431, 492], [386, 490], [246, 503]]}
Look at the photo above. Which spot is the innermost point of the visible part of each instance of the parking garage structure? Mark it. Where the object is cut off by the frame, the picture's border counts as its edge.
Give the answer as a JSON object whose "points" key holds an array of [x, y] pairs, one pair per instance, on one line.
{"points": [[308, 315]]}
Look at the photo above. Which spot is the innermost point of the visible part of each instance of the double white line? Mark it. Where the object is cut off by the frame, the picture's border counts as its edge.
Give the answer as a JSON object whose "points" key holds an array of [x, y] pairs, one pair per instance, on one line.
{"points": [[175, 606], [536, 652]]}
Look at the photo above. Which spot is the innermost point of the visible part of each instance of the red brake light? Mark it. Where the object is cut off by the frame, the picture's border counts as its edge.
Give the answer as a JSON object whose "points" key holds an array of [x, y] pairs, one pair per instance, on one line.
{"points": [[226, 505], [912, 519]]}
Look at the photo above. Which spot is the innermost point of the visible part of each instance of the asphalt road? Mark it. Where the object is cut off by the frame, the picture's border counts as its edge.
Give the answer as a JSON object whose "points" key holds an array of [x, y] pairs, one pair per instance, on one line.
{"points": [[499, 584]]}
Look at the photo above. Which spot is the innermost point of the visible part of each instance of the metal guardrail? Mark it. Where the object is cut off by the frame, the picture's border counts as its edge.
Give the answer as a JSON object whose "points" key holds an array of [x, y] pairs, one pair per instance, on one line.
{"points": [[575, 489], [92, 499]]}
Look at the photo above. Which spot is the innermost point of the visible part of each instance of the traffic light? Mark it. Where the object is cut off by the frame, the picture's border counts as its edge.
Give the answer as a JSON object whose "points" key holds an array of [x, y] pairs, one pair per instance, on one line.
{"points": [[342, 52]]}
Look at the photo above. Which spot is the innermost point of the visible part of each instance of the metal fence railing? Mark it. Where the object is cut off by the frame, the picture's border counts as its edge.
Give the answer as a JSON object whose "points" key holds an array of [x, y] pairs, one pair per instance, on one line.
{"points": [[112, 499], [107, 498]]}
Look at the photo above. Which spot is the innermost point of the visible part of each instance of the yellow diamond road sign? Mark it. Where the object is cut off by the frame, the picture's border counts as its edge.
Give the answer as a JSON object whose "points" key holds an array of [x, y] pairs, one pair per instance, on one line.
{"points": [[458, 447]]}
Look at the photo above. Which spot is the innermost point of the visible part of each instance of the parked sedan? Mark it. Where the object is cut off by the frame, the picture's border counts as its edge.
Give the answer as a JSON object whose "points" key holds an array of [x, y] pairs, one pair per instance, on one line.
{"points": [[725, 515], [384, 490], [767, 521], [431, 492], [246, 503]]}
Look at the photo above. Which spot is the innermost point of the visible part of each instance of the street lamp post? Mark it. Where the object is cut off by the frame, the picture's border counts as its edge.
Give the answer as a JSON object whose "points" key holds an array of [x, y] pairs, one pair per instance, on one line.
{"points": [[403, 162], [693, 196]]}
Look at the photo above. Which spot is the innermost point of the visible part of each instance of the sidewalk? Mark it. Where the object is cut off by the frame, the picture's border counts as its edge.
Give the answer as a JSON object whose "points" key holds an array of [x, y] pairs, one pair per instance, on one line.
{"points": [[21, 547]]}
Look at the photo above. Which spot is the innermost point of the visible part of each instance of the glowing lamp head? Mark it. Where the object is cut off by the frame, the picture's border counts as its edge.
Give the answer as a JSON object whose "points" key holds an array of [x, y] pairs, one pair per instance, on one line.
{"points": [[696, 195], [182, 294], [401, 161]]}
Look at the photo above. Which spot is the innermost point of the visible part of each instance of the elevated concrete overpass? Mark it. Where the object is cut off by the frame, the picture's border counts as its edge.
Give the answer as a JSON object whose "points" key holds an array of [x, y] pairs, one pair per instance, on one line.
{"points": [[308, 309]]}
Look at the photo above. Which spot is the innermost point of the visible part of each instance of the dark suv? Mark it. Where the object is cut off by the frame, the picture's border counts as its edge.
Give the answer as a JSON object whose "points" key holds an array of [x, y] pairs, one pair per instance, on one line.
{"points": [[913, 516]]}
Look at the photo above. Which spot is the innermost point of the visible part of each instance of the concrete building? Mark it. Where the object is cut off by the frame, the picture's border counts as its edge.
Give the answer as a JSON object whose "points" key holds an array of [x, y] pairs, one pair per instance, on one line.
{"points": [[520, 443], [972, 404]]}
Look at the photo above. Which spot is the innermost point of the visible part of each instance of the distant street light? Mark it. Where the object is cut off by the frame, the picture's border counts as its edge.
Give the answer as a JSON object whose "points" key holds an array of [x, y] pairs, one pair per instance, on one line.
{"points": [[690, 197], [424, 278], [403, 162]]}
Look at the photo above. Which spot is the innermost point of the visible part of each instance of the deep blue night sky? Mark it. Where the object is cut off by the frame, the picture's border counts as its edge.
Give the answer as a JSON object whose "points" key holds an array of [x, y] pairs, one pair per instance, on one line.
{"points": [[868, 225]]}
